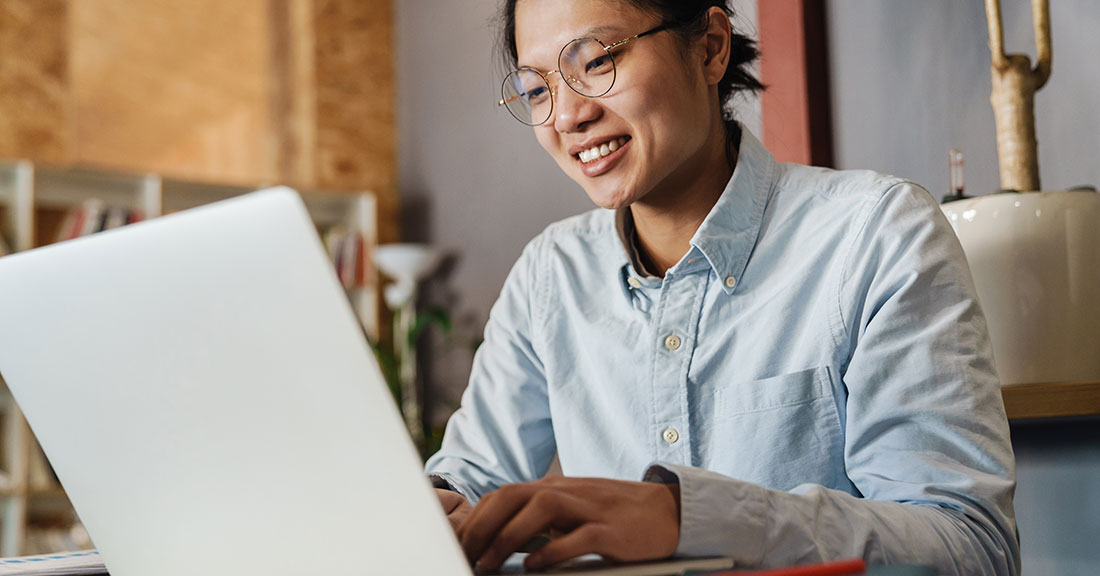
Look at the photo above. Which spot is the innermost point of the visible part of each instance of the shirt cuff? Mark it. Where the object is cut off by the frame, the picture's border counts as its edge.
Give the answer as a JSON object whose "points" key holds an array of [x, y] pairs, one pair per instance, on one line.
{"points": [[719, 516], [445, 482]]}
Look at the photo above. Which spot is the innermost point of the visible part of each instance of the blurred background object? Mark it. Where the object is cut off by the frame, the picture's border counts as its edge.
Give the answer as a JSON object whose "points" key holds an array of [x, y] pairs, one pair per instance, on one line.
{"points": [[408, 265], [249, 92]]}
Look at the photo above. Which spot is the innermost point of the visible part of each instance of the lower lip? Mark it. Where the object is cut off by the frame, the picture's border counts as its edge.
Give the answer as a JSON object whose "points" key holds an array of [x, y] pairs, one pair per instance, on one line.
{"points": [[605, 164]]}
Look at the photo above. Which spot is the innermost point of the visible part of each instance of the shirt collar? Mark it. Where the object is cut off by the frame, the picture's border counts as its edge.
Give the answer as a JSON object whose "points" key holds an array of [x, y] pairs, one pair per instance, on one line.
{"points": [[728, 233], [624, 225]]}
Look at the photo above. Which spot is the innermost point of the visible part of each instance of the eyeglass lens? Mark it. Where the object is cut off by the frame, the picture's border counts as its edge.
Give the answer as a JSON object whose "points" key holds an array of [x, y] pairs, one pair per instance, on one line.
{"points": [[527, 96], [584, 64]]}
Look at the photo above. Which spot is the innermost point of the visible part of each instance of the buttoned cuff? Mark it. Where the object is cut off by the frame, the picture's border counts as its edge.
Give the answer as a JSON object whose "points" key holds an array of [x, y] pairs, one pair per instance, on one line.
{"points": [[719, 516]]}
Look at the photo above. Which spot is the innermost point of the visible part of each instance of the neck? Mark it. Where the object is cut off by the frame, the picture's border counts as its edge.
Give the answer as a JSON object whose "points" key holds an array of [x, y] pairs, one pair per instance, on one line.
{"points": [[666, 222]]}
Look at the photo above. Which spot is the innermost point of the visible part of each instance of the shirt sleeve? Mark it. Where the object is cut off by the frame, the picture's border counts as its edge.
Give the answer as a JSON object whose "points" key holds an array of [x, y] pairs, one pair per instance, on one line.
{"points": [[502, 433], [926, 441]]}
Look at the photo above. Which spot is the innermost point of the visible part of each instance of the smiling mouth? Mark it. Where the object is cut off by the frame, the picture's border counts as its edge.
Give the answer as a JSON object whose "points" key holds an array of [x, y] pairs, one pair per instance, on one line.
{"points": [[596, 152]]}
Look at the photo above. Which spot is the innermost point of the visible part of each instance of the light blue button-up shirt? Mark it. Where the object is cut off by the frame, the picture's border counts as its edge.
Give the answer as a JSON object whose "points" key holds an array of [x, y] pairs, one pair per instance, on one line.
{"points": [[815, 373]]}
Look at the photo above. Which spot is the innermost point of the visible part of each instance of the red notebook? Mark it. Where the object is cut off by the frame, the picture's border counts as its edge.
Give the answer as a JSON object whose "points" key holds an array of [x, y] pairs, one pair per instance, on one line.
{"points": [[839, 568]]}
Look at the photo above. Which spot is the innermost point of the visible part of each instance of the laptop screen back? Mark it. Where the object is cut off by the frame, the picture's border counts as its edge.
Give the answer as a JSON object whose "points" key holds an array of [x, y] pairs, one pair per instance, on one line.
{"points": [[210, 404]]}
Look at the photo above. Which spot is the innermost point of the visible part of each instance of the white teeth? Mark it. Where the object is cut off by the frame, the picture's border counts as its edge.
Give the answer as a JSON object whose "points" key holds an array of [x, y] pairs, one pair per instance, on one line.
{"points": [[597, 152]]}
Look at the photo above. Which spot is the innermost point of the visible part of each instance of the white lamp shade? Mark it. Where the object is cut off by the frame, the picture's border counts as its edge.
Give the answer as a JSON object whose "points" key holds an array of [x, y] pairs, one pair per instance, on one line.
{"points": [[406, 262]]}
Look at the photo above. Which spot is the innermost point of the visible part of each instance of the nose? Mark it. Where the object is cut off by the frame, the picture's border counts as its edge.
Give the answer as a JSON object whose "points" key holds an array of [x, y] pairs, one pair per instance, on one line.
{"points": [[573, 111]]}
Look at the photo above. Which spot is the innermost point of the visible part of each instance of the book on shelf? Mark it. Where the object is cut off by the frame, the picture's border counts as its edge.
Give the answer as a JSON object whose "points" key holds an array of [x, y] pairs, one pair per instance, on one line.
{"points": [[347, 250], [4, 248], [93, 215]]}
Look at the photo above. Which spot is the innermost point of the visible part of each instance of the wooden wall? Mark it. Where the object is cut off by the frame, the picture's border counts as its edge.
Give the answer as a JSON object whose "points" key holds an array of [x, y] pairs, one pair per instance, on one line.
{"points": [[178, 88], [356, 100], [250, 92], [34, 86]]}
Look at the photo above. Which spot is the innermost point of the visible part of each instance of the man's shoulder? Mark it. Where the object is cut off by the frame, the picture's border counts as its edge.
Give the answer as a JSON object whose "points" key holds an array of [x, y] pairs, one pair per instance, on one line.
{"points": [[852, 186], [841, 195]]}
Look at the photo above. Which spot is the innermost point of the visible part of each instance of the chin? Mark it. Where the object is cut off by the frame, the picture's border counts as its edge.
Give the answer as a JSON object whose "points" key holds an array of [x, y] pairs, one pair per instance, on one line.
{"points": [[609, 199], [609, 191]]}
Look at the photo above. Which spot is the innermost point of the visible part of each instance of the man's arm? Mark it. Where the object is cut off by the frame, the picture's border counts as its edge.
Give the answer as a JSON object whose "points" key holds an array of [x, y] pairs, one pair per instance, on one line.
{"points": [[502, 433], [926, 439]]}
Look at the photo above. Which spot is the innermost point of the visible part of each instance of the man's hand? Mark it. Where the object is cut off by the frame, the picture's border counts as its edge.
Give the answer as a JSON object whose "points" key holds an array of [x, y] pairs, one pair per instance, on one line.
{"points": [[454, 505], [621, 521]]}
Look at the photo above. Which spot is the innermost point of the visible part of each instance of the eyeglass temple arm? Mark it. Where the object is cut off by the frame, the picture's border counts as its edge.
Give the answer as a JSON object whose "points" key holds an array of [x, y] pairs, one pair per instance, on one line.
{"points": [[546, 79], [636, 36]]}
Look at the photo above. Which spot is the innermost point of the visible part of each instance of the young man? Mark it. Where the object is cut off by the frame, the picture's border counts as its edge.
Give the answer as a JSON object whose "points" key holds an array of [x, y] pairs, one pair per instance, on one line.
{"points": [[771, 362]]}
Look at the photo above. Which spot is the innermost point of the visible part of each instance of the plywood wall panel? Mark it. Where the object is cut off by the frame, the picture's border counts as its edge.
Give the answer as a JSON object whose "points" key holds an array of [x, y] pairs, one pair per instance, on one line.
{"points": [[294, 106], [34, 114], [355, 141], [245, 92], [180, 88]]}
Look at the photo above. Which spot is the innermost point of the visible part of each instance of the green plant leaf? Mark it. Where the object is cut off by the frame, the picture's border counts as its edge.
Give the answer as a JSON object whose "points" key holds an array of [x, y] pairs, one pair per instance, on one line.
{"points": [[390, 370], [433, 315]]}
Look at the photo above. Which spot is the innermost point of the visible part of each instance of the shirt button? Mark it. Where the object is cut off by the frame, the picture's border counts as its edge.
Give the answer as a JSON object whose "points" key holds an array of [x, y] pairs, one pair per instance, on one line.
{"points": [[731, 281], [670, 435], [634, 282], [673, 342]]}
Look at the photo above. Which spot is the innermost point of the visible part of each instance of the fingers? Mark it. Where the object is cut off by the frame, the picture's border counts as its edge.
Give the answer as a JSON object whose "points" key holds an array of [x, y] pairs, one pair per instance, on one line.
{"points": [[489, 516], [457, 518], [455, 506], [588, 539], [542, 511], [459, 514], [449, 500], [622, 521]]}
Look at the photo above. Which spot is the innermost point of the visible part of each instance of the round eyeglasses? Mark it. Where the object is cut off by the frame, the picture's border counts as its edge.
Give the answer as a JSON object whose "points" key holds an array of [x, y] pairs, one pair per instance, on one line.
{"points": [[586, 65]]}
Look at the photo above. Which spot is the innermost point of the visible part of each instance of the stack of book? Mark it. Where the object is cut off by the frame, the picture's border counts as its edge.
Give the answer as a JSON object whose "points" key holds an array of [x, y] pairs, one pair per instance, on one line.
{"points": [[347, 250], [95, 216]]}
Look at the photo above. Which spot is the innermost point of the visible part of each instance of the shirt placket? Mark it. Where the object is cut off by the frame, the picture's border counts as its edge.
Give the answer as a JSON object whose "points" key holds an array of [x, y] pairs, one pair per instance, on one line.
{"points": [[673, 342]]}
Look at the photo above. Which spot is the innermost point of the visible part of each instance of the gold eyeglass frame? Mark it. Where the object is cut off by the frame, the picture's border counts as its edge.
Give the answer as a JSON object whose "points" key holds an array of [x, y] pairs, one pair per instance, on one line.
{"points": [[569, 82]]}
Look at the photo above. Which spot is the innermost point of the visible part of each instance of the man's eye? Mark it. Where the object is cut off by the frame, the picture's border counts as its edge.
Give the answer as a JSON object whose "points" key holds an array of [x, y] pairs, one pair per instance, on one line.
{"points": [[537, 95], [599, 65]]}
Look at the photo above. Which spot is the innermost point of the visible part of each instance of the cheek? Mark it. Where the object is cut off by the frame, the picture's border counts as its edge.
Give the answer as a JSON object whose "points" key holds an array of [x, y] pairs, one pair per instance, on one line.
{"points": [[548, 139], [679, 122]]}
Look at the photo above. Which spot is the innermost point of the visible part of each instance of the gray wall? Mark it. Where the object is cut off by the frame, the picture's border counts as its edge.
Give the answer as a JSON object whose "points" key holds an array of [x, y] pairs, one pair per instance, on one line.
{"points": [[473, 180], [911, 80]]}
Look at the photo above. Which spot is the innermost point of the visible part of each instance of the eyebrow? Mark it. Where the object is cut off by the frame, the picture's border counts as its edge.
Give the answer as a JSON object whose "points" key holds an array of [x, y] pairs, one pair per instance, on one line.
{"points": [[600, 30], [593, 32]]}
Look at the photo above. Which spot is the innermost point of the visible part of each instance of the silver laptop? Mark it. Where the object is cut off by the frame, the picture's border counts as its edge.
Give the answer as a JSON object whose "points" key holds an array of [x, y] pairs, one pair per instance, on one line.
{"points": [[210, 404]]}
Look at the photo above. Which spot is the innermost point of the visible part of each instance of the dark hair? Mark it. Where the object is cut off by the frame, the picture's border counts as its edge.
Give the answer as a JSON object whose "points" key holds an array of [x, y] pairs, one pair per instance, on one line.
{"points": [[684, 17]]}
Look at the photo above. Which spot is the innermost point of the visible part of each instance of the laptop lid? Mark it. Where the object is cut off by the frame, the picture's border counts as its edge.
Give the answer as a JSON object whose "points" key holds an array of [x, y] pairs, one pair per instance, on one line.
{"points": [[210, 404]]}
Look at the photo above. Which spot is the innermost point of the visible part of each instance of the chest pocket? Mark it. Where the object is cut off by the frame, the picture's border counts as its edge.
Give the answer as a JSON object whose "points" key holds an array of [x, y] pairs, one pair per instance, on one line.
{"points": [[778, 432]]}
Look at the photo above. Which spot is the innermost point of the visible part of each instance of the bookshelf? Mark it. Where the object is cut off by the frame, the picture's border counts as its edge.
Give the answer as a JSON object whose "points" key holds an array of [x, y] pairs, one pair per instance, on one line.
{"points": [[37, 204]]}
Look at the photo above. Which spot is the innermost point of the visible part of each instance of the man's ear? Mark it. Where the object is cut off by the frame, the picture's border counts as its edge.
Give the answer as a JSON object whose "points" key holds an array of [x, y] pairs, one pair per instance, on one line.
{"points": [[717, 44]]}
